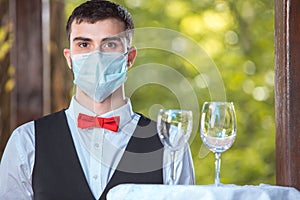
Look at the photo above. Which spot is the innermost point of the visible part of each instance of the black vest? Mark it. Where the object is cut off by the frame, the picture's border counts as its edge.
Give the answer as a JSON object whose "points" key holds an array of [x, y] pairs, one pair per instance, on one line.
{"points": [[57, 173]]}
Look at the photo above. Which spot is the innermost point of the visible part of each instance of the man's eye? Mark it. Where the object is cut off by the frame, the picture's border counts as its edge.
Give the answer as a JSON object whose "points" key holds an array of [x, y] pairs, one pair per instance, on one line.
{"points": [[83, 45], [110, 45]]}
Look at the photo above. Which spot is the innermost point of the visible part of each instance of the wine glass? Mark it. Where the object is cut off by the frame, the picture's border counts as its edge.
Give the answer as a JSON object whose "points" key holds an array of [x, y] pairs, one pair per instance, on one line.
{"points": [[174, 128], [218, 130]]}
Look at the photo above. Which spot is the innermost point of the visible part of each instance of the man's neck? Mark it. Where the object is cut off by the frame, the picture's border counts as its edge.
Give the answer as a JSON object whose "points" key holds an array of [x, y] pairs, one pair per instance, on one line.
{"points": [[112, 102]]}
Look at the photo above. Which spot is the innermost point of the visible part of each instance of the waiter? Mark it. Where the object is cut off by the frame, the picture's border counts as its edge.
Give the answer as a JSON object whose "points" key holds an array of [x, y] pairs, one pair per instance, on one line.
{"points": [[98, 142]]}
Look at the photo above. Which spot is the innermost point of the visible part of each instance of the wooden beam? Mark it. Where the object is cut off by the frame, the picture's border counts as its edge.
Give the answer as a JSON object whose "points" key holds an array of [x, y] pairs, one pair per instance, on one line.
{"points": [[287, 92], [5, 77], [27, 58], [61, 76]]}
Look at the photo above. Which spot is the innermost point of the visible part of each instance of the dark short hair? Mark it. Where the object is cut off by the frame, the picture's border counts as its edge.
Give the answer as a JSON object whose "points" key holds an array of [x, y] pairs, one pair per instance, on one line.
{"points": [[96, 10]]}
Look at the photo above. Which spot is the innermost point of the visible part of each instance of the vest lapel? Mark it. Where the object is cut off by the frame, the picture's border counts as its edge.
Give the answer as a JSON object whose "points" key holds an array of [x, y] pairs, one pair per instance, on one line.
{"points": [[142, 160], [57, 172]]}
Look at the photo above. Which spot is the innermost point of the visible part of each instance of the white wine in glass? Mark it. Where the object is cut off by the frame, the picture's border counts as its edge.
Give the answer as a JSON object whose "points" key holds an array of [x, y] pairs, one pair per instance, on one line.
{"points": [[218, 130], [174, 128]]}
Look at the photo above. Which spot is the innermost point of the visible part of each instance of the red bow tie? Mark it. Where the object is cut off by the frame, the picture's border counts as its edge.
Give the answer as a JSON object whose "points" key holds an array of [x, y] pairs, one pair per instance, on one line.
{"points": [[85, 121]]}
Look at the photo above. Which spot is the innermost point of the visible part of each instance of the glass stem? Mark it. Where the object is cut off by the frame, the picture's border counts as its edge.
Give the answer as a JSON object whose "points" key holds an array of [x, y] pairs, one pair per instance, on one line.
{"points": [[173, 170], [217, 168]]}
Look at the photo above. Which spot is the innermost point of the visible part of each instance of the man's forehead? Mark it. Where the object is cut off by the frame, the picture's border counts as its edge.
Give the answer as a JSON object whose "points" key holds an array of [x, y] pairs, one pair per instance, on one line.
{"points": [[100, 27], [111, 21]]}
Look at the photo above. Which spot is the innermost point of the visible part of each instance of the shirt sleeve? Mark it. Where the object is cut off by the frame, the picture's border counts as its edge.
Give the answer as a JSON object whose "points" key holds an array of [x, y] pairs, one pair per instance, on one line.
{"points": [[184, 167], [16, 165]]}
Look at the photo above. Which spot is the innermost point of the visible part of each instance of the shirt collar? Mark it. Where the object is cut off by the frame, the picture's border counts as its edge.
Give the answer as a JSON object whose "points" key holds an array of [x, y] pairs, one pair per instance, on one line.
{"points": [[125, 112]]}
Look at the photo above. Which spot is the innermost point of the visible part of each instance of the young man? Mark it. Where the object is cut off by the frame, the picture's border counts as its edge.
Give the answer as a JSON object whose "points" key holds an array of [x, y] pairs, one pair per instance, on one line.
{"points": [[98, 142]]}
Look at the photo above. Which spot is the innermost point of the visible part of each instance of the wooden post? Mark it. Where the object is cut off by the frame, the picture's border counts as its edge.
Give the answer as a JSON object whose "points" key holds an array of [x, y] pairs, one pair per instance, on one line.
{"points": [[61, 76], [27, 58], [287, 92], [6, 83]]}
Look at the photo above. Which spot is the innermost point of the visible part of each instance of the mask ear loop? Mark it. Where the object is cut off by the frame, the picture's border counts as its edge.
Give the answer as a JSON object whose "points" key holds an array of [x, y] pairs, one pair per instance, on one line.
{"points": [[127, 52]]}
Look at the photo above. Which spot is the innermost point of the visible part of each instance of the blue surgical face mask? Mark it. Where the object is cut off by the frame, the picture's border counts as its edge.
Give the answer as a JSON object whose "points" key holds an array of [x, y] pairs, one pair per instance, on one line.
{"points": [[99, 74]]}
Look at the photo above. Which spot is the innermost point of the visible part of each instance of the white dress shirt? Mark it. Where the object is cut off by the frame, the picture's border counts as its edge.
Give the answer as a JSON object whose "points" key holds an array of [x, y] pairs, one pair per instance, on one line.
{"points": [[99, 152]]}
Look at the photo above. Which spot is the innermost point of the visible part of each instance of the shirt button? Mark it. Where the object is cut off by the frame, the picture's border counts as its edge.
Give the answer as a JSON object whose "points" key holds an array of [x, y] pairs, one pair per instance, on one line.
{"points": [[95, 177], [96, 145]]}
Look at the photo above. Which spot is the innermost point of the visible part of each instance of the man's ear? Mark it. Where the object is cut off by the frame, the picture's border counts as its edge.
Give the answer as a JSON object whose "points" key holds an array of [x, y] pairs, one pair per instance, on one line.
{"points": [[131, 56], [67, 54]]}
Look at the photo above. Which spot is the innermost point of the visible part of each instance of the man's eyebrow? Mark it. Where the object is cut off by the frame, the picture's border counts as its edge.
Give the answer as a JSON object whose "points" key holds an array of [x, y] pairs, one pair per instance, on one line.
{"points": [[82, 39], [112, 38]]}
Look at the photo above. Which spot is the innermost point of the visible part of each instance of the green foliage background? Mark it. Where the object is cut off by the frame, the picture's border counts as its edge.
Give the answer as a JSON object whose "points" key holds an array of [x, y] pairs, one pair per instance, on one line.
{"points": [[238, 35]]}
